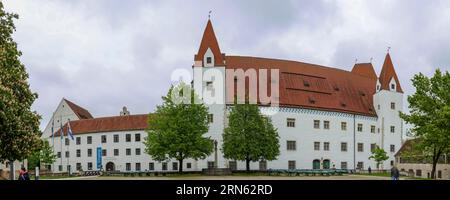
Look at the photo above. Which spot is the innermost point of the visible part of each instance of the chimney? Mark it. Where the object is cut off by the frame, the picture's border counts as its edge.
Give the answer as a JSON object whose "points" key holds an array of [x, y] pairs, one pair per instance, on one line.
{"points": [[124, 111]]}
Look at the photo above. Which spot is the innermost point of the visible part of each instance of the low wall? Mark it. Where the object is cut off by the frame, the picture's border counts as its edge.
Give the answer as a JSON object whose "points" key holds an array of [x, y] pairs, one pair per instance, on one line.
{"points": [[425, 170]]}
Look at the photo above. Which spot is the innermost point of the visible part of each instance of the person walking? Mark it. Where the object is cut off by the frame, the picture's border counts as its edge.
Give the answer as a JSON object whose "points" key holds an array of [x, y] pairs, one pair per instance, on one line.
{"points": [[370, 170], [23, 174], [395, 174]]}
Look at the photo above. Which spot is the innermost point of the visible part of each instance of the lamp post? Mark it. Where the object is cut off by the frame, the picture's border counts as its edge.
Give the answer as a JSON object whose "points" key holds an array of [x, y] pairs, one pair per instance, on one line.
{"points": [[215, 154]]}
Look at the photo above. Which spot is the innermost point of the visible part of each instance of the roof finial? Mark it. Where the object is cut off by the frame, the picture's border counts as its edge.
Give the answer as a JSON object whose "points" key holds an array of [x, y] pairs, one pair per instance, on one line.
{"points": [[209, 15], [388, 49], [371, 58], [356, 60]]}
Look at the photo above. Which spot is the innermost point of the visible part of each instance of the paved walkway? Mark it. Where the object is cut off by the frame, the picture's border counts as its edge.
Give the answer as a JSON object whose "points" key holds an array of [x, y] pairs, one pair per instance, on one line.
{"points": [[344, 177]]}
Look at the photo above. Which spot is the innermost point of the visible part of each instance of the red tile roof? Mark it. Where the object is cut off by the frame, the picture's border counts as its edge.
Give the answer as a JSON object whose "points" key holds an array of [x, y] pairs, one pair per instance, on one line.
{"points": [[106, 124], [79, 111], [209, 40], [365, 69], [387, 73], [313, 86]]}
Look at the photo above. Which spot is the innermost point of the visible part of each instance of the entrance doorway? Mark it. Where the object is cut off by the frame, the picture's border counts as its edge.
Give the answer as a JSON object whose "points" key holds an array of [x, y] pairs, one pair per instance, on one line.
{"points": [[110, 166], [316, 164]]}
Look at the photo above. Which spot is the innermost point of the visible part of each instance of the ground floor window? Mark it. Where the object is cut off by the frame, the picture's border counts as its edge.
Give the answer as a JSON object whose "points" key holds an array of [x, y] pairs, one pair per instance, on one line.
{"points": [[79, 167], [89, 166], [138, 166], [164, 166], [360, 165], [151, 166], [262, 165], [233, 165], [439, 174], [128, 166], [418, 172], [188, 165], [174, 166], [210, 164], [291, 164], [60, 168], [326, 164], [343, 165]]}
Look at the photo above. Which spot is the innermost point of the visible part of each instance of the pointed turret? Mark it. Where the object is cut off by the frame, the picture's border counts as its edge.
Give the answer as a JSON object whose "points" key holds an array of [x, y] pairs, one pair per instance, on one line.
{"points": [[388, 78], [210, 46]]}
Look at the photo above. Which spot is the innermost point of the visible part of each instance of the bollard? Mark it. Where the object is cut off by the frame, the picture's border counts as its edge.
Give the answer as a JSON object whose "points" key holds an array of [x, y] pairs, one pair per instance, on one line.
{"points": [[36, 171]]}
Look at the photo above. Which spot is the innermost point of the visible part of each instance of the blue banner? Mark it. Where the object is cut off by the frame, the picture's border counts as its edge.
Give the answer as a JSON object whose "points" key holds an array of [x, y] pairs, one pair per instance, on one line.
{"points": [[99, 158]]}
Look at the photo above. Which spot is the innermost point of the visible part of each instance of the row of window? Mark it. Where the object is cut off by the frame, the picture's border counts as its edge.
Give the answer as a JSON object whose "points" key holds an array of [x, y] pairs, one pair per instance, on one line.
{"points": [[137, 138], [137, 166], [116, 152], [290, 122], [291, 145]]}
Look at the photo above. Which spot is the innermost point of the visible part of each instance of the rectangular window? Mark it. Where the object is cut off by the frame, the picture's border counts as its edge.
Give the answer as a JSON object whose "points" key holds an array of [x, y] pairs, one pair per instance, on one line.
{"points": [[89, 139], [209, 85], [360, 147], [60, 168], [317, 146], [78, 167], [291, 164], [208, 60], [291, 145], [210, 164], [326, 124], [392, 129], [164, 166], [137, 137], [343, 146], [138, 166], [67, 141], [326, 146], [138, 152], [103, 152], [419, 172], [262, 165], [233, 165], [372, 129], [89, 166], [373, 146], [128, 166], [439, 175], [174, 166], [316, 124], [78, 140], [103, 138], [128, 152], [116, 152], [67, 154], [116, 138], [210, 118], [58, 154], [78, 153], [392, 105], [392, 148], [360, 127], [89, 152], [290, 122], [128, 137], [360, 165], [151, 166], [344, 126], [188, 165], [343, 165]]}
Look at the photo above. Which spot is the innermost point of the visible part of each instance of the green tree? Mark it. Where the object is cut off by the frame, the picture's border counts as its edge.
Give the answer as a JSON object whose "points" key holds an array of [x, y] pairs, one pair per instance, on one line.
{"points": [[176, 130], [379, 156], [430, 115], [250, 136], [19, 126], [45, 155]]}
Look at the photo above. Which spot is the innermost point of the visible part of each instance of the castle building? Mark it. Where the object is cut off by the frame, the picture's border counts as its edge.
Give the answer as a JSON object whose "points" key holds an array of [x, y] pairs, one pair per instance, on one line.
{"points": [[326, 118]]}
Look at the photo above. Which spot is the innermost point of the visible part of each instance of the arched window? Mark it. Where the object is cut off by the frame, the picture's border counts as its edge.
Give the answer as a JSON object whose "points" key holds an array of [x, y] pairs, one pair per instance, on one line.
{"points": [[316, 164]]}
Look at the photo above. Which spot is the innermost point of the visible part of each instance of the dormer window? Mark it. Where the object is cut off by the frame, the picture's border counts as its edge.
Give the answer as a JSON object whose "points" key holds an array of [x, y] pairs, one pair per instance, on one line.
{"points": [[393, 86], [305, 83], [208, 60], [378, 87]]}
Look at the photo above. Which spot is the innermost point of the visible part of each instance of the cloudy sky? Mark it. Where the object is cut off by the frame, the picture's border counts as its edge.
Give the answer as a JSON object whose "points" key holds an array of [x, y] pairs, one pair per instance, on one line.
{"points": [[104, 54]]}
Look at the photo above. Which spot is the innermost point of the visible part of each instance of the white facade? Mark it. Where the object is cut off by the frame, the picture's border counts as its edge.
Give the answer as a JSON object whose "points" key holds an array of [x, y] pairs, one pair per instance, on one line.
{"points": [[62, 114]]}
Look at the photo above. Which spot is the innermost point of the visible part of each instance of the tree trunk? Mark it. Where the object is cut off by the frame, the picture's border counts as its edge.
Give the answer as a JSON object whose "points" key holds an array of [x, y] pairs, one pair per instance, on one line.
{"points": [[180, 168], [247, 164], [435, 161]]}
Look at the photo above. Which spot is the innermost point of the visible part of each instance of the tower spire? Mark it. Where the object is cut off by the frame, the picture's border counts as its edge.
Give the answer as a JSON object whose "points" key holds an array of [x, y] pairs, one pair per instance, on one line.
{"points": [[209, 41], [388, 73]]}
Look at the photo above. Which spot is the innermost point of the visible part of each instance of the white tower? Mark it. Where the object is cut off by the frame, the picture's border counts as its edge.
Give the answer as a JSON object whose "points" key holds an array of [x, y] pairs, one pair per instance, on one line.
{"points": [[388, 102]]}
